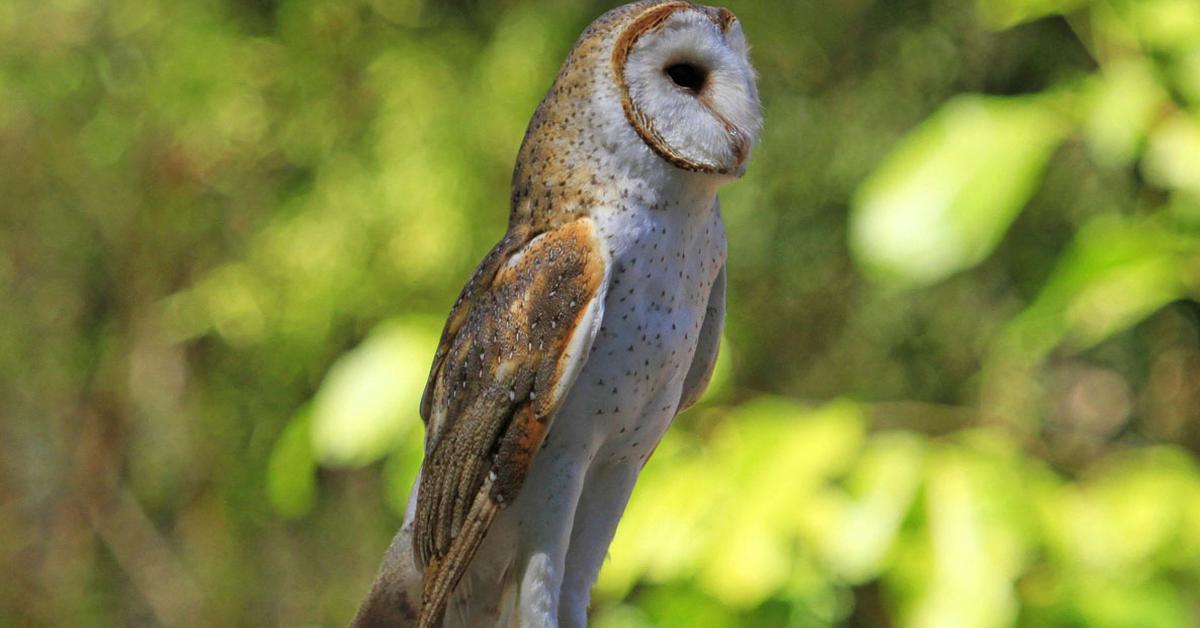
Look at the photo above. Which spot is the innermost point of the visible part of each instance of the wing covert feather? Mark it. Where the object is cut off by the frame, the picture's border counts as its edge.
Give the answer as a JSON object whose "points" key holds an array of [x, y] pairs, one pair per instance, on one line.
{"points": [[480, 280]]}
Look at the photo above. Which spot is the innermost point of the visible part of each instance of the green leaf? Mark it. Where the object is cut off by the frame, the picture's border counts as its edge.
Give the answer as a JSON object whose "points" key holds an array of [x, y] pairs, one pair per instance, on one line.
{"points": [[291, 471], [1173, 156], [1115, 273], [1121, 103], [853, 530], [369, 401], [1003, 14], [971, 558], [1159, 25], [942, 200]]}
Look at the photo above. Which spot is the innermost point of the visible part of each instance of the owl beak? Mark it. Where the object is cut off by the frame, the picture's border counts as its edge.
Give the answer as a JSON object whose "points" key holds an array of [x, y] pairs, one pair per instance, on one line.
{"points": [[741, 149]]}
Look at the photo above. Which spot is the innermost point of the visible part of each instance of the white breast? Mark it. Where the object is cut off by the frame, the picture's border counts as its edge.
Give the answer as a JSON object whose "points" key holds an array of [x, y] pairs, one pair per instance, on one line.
{"points": [[665, 258]]}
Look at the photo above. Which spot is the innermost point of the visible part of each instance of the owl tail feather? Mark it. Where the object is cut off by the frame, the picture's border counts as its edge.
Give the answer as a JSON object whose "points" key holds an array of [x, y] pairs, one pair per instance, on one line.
{"points": [[443, 574], [392, 602]]}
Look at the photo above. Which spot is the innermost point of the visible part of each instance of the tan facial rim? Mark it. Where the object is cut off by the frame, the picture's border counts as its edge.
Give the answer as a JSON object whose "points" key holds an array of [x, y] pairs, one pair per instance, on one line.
{"points": [[649, 21]]}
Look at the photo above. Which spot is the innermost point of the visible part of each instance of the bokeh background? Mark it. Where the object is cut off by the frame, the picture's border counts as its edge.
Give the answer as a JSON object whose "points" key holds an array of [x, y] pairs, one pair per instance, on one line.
{"points": [[960, 384]]}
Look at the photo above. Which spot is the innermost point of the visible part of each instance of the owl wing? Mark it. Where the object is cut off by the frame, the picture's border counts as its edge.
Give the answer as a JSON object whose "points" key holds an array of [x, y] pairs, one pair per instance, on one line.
{"points": [[701, 370], [511, 350]]}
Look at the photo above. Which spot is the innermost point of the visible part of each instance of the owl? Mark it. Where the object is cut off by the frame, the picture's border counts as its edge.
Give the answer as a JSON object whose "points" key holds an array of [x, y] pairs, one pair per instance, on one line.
{"points": [[581, 335]]}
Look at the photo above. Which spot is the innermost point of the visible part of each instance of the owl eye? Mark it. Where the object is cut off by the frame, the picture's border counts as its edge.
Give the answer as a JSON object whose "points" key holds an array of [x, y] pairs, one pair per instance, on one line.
{"points": [[688, 76]]}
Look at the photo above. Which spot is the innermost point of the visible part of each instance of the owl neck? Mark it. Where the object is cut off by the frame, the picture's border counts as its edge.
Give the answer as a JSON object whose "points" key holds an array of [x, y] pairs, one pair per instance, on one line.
{"points": [[553, 184]]}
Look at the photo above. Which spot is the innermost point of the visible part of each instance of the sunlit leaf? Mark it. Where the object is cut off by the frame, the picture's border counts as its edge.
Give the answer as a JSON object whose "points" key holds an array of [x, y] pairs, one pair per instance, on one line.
{"points": [[1122, 102], [1002, 14], [971, 557], [1168, 25], [1173, 156], [854, 532], [1187, 76], [1129, 512], [291, 470], [945, 196], [370, 398], [1110, 532], [764, 443], [1116, 272], [231, 299], [1153, 604]]}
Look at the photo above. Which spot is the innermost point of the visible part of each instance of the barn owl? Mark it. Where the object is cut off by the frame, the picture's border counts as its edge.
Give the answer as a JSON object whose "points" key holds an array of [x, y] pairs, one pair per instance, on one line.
{"points": [[582, 334]]}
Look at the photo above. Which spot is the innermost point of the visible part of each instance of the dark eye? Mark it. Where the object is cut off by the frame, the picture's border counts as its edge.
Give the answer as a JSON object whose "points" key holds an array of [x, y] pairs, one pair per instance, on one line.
{"points": [[688, 76]]}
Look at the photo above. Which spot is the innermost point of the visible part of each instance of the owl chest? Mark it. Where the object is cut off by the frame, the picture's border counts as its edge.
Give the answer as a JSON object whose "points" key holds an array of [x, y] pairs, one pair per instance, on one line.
{"points": [[660, 281]]}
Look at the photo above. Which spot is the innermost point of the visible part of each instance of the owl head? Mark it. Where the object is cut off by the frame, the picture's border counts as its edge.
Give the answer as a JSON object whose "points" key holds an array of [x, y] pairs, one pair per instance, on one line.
{"points": [[651, 89], [686, 86], [659, 91]]}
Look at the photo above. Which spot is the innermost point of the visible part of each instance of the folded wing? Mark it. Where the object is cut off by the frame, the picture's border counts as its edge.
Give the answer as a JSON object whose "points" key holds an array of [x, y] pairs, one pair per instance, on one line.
{"points": [[511, 349]]}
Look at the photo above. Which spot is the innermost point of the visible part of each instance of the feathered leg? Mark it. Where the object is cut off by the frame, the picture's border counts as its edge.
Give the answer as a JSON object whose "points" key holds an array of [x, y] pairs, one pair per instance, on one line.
{"points": [[605, 494], [548, 525]]}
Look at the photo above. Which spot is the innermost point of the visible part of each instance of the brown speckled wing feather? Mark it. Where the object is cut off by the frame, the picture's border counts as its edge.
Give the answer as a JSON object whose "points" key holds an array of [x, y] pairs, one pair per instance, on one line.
{"points": [[476, 287], [512, 347]]}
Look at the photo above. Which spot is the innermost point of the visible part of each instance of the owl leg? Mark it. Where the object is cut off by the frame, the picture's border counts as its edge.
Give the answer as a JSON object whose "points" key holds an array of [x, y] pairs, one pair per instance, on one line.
{"points": [[545, 527], [605, 494]]}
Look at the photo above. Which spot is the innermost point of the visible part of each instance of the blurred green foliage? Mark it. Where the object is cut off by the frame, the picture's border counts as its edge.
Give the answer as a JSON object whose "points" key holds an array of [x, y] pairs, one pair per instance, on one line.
{"points": [[961, 379]]}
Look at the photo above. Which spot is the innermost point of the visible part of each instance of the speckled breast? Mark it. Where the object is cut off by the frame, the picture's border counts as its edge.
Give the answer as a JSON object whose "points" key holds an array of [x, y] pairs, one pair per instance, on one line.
{"points": [[664, 264]]}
